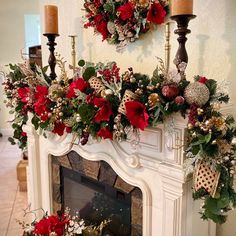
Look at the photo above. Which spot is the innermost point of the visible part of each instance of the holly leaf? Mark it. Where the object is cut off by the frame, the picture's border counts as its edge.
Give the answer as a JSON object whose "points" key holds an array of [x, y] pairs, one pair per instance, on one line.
{"points": [[109, 7], [208, 138], [224, 200], [86, 112], [35, 121]]}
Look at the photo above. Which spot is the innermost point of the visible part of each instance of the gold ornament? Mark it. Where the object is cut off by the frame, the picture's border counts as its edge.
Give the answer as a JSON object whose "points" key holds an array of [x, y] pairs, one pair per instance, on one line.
{"points": [[53, 234], [128, 96], [55, 91], [224, 146], [205, 177], [217, 122], [153, 99], [139, 91], [197, 93], [190, 126]]}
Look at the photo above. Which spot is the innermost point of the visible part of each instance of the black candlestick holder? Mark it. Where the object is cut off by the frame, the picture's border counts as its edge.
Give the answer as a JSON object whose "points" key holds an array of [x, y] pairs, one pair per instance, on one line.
{"points": [[52, 59], [182, 31]]}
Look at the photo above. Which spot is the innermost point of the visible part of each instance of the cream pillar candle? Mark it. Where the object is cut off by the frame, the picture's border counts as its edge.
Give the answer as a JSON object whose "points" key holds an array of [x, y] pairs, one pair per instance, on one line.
{"points": [[51, 19], [181, 7]]}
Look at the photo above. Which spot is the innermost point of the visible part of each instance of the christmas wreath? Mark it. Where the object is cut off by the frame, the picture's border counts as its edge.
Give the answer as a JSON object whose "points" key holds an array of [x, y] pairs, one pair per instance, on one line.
{"points": [[101, 102], [123, 21]]}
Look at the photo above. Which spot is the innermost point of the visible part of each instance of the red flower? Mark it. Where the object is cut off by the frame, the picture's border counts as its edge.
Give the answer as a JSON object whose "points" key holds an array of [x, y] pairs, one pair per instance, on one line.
{"points": [[97, 3], [105, 110], [156, 13], [41, 91], [126, 11], [24, 94], [58, 224], [78, 84], [202, 80], [59, 128], [105, 133], [23, 134], [101, 26], [51, 224], [136, 114], [43, 227], [68, 129], [40, 105]]}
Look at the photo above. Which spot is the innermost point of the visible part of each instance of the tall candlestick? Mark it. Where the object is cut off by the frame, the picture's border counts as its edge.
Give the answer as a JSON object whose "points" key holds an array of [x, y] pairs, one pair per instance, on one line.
{"points": [[167, 46], [51, 19], [181, 7], [73, 51]]}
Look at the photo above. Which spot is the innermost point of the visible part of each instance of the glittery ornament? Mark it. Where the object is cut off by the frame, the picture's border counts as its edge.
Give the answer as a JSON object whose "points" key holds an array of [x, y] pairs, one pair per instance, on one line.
{"points": [[217, 122], [179, 100], [197, 93], [170, 90], [153, 99], [54, 91]]}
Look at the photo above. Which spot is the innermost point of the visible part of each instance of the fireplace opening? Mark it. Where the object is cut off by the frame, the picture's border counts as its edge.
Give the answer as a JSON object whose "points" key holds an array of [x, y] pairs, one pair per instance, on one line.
{"points": [[95, 190], [96, 202]]}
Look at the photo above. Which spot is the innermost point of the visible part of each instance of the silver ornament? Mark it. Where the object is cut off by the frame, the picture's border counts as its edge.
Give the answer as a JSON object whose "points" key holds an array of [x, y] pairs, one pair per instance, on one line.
{"points": [[108, 92], [111, 27], [197, 93]]}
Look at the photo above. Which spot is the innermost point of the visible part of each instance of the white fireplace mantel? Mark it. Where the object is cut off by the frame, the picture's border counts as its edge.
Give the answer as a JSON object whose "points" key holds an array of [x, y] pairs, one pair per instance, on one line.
{"points": [[155, 166]]}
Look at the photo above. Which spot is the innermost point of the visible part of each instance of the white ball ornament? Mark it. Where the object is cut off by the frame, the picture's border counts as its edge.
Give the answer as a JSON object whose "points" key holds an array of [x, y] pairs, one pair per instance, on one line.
{"points": [[197, 93]]}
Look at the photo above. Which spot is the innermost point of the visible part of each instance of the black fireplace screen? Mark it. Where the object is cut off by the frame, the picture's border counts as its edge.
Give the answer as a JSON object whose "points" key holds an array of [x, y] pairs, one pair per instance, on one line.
{"points": [[96, 201]]}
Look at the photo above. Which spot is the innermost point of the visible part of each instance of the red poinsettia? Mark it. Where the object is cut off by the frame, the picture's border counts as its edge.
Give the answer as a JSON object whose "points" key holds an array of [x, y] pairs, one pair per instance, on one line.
{"points": [[78, 84], [101, 26], [126, 11], [59, 128], [51, 224], [41, 102], [58, 224], [105, 111], [24, 94], [136, 114], [43, 227], [202, 80], [105, 133], [156, 13]]}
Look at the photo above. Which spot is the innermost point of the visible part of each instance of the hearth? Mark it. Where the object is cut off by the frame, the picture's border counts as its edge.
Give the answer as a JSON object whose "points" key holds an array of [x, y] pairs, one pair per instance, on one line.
{"points": [[98, 193]]}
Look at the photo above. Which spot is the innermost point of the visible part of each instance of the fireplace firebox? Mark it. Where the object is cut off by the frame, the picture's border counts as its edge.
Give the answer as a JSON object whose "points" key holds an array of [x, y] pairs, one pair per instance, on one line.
{"points": [[94, 190]]}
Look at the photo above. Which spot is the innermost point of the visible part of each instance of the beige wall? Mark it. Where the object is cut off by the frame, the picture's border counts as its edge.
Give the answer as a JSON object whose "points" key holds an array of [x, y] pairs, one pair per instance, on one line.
{"points": [[211, 47], [12, 39]]}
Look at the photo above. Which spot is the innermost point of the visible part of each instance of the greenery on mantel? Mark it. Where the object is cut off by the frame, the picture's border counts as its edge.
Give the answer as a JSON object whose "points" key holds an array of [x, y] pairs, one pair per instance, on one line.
{"points": [[102, 103]]}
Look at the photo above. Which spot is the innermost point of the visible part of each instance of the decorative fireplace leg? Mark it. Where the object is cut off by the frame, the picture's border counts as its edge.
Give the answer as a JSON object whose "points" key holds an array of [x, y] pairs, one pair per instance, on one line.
{"points": [[33, 173]]}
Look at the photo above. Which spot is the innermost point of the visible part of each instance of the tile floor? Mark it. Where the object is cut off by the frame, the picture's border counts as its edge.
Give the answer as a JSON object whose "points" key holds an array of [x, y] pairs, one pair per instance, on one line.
{"points": [[12, 202]]}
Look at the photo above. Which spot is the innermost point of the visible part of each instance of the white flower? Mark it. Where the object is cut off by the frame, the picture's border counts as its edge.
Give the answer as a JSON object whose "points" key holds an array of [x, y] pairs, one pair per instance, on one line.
{"points": [[174, 76], [182, 66]]}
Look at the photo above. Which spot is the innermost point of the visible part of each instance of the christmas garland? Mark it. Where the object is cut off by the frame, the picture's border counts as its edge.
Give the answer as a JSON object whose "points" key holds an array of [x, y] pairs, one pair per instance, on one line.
{"points": [[123, 21], [100, 102]]}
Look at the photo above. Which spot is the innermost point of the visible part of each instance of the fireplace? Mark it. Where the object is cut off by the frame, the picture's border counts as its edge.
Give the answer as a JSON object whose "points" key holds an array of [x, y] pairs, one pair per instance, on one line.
{"points": [[98, 193], [154, 168]]}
